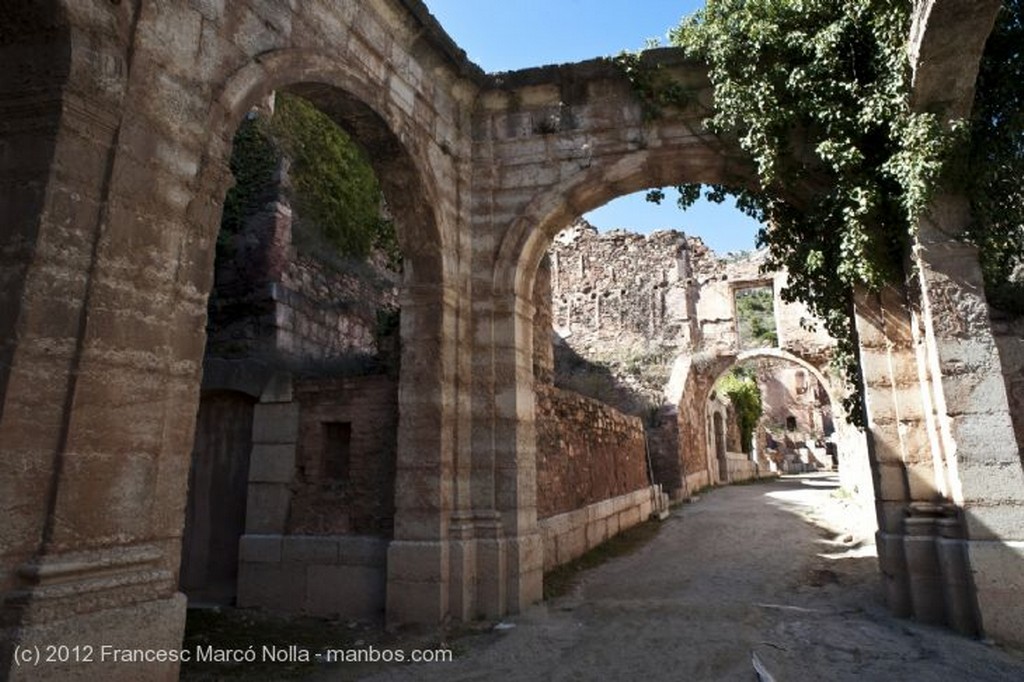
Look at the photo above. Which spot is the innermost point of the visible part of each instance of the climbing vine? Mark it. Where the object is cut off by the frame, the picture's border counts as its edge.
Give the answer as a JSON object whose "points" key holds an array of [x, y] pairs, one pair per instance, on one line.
{"points": [[994, 165], [334, 190], [655, 88], [815, 91], [742, 391]]}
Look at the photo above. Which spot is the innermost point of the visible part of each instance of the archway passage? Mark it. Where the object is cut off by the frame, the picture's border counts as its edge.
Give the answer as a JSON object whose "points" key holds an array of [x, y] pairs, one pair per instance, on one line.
{"points": [[304, 316], [116, 262]]}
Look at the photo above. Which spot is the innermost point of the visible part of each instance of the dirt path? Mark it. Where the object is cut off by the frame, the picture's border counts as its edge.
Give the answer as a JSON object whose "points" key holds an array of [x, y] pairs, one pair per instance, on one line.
{"points": [[740, 571]]}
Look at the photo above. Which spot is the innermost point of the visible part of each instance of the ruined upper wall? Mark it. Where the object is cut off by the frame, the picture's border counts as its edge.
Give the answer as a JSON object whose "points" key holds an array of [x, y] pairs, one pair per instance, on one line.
{"points": [[619, 295]]}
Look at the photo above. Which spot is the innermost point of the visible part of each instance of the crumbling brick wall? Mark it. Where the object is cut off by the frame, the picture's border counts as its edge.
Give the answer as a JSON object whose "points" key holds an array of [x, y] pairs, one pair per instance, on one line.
{"points": [[273, 302], [345, 473], [587, 452]]}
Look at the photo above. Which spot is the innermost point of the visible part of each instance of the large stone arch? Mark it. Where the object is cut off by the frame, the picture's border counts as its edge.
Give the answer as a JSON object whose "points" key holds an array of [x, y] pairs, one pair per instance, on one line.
{"points": [[582, 140], [367, 109], [142, 121], [364, 106]]}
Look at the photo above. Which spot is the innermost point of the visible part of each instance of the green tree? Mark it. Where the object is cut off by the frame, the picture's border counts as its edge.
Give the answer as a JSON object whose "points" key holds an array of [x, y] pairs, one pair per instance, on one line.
{"points": [[334, 189], [816, 92], [745, 395]]}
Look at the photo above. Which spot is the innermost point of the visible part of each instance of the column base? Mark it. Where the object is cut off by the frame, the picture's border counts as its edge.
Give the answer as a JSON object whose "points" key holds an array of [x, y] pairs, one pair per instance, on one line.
{"points": [[93, 640], [997, 568]]}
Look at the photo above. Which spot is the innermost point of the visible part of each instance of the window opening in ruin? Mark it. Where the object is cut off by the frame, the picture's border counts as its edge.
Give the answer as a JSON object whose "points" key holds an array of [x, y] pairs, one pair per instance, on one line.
{"points": [[800, 383], [791, 423], [755, 317], [337, 450]]}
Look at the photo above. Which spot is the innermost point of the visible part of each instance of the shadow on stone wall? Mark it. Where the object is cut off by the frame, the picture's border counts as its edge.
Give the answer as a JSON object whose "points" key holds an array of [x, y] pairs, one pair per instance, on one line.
{"points": [[594, 380]]}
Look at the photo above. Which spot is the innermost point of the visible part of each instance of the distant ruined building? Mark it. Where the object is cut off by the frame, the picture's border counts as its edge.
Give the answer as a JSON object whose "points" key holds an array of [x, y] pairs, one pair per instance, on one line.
{"points": [[649, 323]]}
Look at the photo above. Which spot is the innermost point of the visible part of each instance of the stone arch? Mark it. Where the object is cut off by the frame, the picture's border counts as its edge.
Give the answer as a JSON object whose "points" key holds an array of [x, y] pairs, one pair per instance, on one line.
{"points": [[366, 108], [698, 383], [815, 370], [360, 105], [115, 259], [695, 157], [668, 152]]}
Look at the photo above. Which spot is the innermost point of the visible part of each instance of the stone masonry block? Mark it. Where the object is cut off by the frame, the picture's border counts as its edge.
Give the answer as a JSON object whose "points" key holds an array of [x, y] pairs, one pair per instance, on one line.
{"points": [[272, 463], [267, 508], [362, 551], [597, 532], [571, 545], [275, 423], [310, 549], [279, 587], [417, 561], [629, 518], [1003, 520], [260, 549], [999, 581], [346, 591]]}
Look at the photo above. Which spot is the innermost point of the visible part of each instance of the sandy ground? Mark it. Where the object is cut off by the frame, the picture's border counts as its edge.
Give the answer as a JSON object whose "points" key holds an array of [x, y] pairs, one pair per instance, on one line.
{"points": [[783, 569]]}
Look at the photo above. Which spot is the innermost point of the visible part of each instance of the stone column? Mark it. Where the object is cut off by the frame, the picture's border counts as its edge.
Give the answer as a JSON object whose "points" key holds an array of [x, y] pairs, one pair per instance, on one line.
{"points": [[419, 556], [984, 469], [887, 370], [516, 451], [102, 320]]}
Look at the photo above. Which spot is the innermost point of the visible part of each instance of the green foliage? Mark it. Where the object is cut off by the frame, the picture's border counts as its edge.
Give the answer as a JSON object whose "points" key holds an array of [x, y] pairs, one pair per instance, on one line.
{"points": [[254, 158], [755, 317], [745, 395], [656, 90], [334, 189], [815, 91], [995, 164]]}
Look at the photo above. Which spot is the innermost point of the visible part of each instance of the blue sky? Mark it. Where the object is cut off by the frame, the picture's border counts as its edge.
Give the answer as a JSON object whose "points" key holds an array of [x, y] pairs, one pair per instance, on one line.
{"points": [[509, 35]]}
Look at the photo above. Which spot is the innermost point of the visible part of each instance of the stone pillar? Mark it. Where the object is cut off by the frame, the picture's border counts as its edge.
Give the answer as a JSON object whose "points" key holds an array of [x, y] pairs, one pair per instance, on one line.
{"points": [[984, 469], [961, 610], [927, 591], [419, 557], [543, 351], [102, 320], [877, 344], [516, 451], [262, 580]]}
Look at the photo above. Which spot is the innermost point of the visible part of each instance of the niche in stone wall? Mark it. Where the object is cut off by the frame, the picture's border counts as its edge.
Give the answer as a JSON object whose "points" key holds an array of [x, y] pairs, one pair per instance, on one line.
{"points": [[337, 450]]}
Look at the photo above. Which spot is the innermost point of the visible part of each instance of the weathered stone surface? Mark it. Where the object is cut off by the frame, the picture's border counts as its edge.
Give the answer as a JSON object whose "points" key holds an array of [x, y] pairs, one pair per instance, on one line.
{"points": [[586, 452]]}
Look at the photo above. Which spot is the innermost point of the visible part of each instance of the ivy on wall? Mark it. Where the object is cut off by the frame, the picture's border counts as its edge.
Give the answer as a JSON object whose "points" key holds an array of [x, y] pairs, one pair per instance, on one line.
{"points": [[994, 165], [743, 392], [332, 186], [816, 92]]}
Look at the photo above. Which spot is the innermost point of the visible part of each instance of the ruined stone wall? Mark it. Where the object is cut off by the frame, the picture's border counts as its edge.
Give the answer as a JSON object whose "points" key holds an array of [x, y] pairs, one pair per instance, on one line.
{"points": [[587, 452], [605, 303], [345, 462], [273, 303], [629, 305], [791, 391], [719, 278]]}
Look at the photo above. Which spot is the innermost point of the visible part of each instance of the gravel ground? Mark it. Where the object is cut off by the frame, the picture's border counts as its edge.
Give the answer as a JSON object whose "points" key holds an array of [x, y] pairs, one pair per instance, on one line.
{"points": [[785, 570]]}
